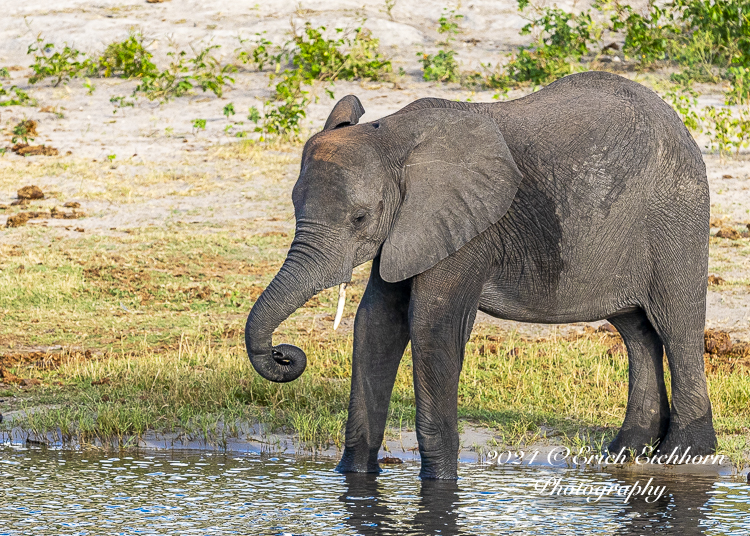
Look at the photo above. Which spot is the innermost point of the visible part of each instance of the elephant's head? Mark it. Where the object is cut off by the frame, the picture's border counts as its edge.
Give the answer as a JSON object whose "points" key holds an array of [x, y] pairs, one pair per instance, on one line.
{"points": [[412, 187]]}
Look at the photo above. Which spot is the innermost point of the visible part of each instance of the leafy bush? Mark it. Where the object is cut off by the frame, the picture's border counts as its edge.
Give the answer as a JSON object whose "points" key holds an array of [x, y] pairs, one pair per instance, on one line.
{"points": [[260, 54], [725, 131], [725, 22], [647, 36], [345, 58], [284, 113], [443, 67], [184, 74], [61, 66], [128, 59], [15, 96], [310, 56], [448, 24]]}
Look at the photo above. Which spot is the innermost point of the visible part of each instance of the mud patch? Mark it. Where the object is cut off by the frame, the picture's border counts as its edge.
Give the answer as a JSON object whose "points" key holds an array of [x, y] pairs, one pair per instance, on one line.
{"points": [[19, 220], [729, 233], [24, 149], [30, 192], [36, 360]]}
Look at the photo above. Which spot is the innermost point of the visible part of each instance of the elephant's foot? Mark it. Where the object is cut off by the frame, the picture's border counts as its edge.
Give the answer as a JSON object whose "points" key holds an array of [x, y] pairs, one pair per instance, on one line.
{"points": [[642, 429], [359, 460], [634, 441], [697, 438], [439, 467]]}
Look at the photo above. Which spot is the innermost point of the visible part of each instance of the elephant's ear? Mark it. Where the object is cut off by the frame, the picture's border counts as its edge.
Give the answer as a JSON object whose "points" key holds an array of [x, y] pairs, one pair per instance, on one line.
{"points": [[346, 112], [457, 180]]}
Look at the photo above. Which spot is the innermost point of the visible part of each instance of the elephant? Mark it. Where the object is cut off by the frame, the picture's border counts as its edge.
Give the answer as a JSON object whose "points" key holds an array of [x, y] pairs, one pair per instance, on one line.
{"points": [[586, 200]]}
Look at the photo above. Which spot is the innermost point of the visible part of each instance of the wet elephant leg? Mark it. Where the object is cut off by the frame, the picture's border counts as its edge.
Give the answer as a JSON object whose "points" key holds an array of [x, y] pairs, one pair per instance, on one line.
{"points": [[647, 413], [381, 332], [443, 308]]}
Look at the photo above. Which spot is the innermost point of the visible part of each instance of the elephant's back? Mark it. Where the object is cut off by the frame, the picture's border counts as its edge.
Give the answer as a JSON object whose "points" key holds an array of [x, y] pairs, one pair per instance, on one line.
{"points": [[608, 166], [596, 113]]}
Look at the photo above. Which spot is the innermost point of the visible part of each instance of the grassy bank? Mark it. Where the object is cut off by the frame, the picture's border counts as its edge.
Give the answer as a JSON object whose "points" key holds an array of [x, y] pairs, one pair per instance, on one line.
{"points": [[523, 391]]}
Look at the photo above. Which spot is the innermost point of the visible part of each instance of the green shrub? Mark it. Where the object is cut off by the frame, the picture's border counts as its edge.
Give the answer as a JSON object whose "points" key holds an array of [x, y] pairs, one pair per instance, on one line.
{"points": [[725, 131], [284, 113], [128, 59], [61, 66], [442, 67], [260, 54], [185, 74], [726, 22], [345, 58], [448, 24], [648, 37], [312, 57], [15, 96]]}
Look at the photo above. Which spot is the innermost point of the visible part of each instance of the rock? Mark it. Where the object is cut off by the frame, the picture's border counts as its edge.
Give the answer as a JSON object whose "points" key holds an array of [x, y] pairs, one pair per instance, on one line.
{"points": [[715, 280], [4, 207], [728, 232], [390, 460], [19, 202], [717, 342], [19, 220], [30, 192], [72, 204]]}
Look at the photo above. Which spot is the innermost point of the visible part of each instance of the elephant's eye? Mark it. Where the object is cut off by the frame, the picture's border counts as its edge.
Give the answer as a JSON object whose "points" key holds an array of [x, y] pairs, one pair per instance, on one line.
{"points": [[358, 219]]}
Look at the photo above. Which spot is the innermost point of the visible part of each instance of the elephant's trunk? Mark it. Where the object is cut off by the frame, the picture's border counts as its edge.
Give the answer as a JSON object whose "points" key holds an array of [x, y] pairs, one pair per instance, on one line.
{"points": [[298, 280]]}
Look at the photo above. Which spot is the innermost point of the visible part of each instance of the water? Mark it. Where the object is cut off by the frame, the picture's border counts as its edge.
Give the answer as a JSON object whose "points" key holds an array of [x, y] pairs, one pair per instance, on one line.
{"points": [[65, 492]]}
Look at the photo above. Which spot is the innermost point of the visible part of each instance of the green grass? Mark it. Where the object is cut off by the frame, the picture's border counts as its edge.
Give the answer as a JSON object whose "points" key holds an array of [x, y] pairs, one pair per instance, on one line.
{"points": [[205, 388]]}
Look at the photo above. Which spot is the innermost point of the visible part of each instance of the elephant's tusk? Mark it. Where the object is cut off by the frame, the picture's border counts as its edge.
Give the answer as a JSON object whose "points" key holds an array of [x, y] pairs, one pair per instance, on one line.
{"points": [[340, 306]]}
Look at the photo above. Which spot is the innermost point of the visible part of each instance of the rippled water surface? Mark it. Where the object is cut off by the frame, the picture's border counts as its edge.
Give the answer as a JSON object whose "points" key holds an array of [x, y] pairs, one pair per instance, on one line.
{"points": [[63, 492]]}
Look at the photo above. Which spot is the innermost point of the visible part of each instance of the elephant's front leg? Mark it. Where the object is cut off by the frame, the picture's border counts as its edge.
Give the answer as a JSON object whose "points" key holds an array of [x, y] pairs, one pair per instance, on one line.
{"points": [[441, 316], [381, 332]]}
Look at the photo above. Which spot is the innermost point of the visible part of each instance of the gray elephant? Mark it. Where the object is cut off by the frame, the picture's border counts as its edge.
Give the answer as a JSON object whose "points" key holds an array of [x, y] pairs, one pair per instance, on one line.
{"points": [[587, 200]]}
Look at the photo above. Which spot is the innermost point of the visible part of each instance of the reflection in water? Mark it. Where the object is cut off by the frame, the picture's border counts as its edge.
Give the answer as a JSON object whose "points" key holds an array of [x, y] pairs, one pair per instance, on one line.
{"points": [[370, 514], [680, 511], [61, 492]]}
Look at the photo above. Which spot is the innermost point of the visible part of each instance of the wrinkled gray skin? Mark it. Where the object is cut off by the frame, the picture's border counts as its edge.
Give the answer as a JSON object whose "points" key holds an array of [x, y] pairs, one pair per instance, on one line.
{"points": [[587, 200]]}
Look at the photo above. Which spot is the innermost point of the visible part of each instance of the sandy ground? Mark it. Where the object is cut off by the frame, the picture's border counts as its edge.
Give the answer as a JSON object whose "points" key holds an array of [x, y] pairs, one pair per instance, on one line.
{"points": [[160, 140]]}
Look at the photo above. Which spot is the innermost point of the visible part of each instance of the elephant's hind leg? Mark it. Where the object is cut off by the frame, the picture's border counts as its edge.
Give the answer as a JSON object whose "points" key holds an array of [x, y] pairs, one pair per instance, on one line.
{"points": [[647, 413], [381, 332]]}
